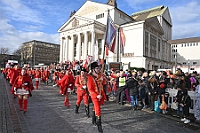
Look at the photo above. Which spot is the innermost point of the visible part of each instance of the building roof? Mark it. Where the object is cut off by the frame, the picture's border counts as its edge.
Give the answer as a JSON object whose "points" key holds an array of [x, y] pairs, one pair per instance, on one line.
{"points": [[184, 40], [149, 13], [40, 42]]}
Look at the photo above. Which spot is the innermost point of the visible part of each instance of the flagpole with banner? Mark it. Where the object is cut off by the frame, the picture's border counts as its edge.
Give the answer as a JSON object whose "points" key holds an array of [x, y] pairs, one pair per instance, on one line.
{"points": [[110, 37]]}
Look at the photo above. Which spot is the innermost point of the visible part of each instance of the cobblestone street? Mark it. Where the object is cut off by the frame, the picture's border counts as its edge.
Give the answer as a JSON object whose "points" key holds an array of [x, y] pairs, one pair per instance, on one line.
{"points": [[47, 114]]}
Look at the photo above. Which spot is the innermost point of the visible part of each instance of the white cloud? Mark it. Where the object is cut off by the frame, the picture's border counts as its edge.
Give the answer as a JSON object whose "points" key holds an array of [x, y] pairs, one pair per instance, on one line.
{"points": [[186, 20], [16, 39]]}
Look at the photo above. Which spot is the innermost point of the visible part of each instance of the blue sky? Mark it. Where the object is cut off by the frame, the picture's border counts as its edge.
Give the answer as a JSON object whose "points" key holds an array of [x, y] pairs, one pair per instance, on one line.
{"points": [[26, 20]]}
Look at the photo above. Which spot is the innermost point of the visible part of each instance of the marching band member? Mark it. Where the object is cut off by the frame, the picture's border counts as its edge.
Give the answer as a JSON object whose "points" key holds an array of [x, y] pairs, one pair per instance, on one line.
{"points": [[23, 87], [82, 92], [37, 77], [95, 86], [66, 85]]}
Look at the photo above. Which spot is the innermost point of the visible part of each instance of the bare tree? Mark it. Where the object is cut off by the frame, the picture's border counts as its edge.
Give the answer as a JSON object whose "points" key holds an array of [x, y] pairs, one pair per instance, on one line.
{"points": [[4, 50], [17, 52]]}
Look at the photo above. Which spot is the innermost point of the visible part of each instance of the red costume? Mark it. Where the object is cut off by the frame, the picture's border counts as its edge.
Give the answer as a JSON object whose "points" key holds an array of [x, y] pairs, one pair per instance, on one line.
{"points": [[95, 84], [46, 75], [37, 77], [66, 85], [82, 92], [23, 83]]}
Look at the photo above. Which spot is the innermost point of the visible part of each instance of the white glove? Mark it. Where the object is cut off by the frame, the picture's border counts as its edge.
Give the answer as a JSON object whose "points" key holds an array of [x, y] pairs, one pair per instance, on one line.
{"points": [[55, 85], [84, 86], [25, 83], [70, 84], [15, 89], [99, 97]]}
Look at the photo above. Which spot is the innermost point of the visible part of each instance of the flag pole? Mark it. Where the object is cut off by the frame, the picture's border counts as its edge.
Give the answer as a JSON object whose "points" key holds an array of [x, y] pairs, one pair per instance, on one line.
{"points": [[118, 44], [103, 66]]}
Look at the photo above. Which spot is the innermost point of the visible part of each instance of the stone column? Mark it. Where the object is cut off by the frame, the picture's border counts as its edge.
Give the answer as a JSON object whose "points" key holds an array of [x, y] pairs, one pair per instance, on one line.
{"points": [[78, 47], [103, 45], [66, 48], [72, 48], [61, 49], [85, 45], [93, 41]]}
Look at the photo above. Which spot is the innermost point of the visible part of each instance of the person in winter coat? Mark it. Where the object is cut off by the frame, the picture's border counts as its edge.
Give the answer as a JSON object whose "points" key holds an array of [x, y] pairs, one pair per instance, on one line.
{"points": [[152, 87], [197, 105], [132, 85], [185, 103]]}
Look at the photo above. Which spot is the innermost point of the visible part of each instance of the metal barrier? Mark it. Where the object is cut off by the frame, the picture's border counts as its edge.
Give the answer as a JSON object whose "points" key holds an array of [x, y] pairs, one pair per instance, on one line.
{"points": [[172, 103]]}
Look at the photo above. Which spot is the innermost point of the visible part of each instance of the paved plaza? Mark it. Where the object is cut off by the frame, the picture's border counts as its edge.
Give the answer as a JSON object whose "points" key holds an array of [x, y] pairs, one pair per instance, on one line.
{"points": [[47, 114]]}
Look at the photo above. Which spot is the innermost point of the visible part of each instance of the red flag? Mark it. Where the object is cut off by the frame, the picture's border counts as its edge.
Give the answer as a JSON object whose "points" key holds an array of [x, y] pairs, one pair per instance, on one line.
{"points": [[113, 49], [110, 34], [122, 40], [107, 51]]}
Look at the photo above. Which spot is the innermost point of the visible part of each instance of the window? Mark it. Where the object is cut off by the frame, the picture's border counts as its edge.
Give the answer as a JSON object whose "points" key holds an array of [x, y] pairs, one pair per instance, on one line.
{"points": [[182, 45], [197, 44], [193, 44], [194, 63], [190, 44], [184, 63], [100, 16]]}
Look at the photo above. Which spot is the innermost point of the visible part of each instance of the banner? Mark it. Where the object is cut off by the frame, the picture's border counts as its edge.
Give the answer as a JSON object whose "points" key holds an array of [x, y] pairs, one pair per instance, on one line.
{"points": [[110, 35]]}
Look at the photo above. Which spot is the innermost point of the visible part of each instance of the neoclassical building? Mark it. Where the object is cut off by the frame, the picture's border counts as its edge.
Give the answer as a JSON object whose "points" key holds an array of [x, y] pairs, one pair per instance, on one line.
{"points": [[147, 33]]}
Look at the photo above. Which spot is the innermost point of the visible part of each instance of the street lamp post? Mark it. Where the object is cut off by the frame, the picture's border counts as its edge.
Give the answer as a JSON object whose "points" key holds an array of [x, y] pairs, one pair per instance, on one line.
{"points": [[188, 65]]}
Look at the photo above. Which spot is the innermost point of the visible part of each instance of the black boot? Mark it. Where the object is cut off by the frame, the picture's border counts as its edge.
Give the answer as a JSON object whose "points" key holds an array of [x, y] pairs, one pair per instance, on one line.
{"points": [[87, 110], [98, 120], [94, 118], [76, 110]]}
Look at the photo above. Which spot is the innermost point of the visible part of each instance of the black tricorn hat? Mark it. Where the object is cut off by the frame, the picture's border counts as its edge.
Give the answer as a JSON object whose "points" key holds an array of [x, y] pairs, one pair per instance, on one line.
{"points": [[94, 64]]}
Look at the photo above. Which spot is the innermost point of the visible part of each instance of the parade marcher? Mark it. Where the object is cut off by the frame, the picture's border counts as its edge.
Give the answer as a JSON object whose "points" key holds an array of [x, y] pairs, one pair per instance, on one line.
{"points": [[197, 105], [82, 92], [37, 77], [46, 75], [66, 84], [23, 87], [95, 87]]}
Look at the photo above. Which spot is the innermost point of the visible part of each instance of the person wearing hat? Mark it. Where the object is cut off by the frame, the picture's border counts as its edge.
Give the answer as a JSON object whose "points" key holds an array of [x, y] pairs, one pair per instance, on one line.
{"points": [[81, 91], [95, 84]]}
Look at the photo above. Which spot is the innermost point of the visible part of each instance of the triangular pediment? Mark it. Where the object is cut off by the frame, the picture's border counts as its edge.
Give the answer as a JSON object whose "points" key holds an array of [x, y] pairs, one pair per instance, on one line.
{"points": [[75, 22], [90, 8], [155, 24]]}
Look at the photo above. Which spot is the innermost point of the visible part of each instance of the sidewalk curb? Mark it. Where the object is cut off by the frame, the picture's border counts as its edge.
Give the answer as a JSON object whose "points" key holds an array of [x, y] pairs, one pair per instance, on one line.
{"points": [[15, 120]]}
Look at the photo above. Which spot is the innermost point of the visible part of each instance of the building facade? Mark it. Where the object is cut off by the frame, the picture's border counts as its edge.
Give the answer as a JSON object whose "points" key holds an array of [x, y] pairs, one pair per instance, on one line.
{"points": [[185, 54], [146, 32], [38, 52]]}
